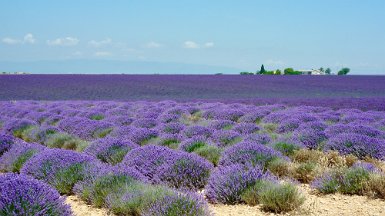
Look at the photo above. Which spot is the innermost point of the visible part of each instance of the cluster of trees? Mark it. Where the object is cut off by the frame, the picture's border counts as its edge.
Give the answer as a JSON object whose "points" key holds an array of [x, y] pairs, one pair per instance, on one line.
{"points": [[291, 71]]}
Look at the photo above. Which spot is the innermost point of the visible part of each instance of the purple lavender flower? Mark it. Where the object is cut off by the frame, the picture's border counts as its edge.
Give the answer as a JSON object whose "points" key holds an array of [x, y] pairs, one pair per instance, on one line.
{"points": [[175, 168], [225, 138], [110, 150], [249, 153], [366, 166], [171, 128], [6, 141], [23, 195], [227, 183], [309, 138], [144, 123], [57, 167], [197, 131], [246, 128], [358, 145], [192, 144], [20, 152], [141, 136], [187, 204], [221, 124], [288, 125], [263, 139]]}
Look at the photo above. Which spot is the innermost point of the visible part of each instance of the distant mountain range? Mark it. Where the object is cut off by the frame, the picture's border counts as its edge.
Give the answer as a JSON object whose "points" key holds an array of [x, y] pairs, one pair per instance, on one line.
{"points": [[111, 67]]}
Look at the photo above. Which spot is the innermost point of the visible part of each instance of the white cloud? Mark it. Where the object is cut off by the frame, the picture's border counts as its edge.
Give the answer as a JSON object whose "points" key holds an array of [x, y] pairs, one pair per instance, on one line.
{"points": [[209, 44], [102, 54], [10, 41], [190, 45], [67, 41], [95, 43], [153, 44], [29, 38]]}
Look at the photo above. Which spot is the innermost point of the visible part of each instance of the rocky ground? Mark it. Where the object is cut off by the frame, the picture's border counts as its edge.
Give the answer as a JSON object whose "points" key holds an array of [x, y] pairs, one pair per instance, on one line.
{"points": [[333, 204]]}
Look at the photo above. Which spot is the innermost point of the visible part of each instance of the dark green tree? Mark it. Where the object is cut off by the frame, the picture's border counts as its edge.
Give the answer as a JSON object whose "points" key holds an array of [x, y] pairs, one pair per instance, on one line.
{"points": [[288, 70], [328, 71], [262, 71], [344, 71]]}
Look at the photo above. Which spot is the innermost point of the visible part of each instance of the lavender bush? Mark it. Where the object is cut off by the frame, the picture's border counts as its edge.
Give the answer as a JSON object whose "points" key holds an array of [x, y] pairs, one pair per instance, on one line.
{"points": [[59, 168], [23, 195], [226, 184]]}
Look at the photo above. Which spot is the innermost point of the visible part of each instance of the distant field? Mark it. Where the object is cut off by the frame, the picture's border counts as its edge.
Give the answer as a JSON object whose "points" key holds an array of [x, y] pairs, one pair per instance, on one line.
{"points": [[365, 92]]}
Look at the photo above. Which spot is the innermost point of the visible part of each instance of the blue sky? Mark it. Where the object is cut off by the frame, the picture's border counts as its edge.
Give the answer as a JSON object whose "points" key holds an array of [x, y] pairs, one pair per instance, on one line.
{"points": [[237, 35]]}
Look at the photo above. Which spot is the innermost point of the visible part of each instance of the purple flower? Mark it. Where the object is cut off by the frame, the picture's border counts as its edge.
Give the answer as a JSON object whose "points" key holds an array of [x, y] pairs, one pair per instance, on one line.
{"points": [[57, 167], [225, 138], [171, 128], [249, 153], [187, 204], [110, 150], [6, 141], [23, 195], [20, 152], [246, 128], [227, 183], [309, 138], [263, 139], [358, 145], [144, 123], [197, 131], [366, 166], [192, 144], [175, 168], [221, 124]]}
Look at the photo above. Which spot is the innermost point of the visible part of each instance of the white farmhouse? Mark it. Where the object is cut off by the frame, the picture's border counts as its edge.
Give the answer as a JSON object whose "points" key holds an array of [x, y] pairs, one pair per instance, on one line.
{"points": [[312, 72]]}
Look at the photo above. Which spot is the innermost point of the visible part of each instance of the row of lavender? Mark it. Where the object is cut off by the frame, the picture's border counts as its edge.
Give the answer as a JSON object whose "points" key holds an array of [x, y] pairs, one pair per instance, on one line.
{"points": [[134, 154]]}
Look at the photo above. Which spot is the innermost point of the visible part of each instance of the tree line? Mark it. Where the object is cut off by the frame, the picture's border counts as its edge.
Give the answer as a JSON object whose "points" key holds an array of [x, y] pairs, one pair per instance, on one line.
{"points": [[291, 71]]}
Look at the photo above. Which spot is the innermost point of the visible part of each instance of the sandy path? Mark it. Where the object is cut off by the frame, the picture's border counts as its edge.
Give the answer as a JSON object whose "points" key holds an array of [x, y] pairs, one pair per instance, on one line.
{"points": [[81, 208], [329, 205]]}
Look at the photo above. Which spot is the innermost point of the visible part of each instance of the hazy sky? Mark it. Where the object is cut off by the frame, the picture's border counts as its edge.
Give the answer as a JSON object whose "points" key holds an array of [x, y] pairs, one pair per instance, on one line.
{"points": [[238, 34]]}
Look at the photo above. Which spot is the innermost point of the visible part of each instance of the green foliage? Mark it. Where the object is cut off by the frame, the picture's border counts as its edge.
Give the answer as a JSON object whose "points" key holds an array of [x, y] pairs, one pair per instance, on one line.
{"points": [[66, 178], [114, 155], [23, 132], [19, 162], [279, 167], [97, 117], [328, 71], [102, 133], [251, 194], [246, 73], [344, 71], [286, 148], [305, 172], [134, 198], [171, 143], [65, 141], [288, 70], [354, 180], [210, 153], [97, 192], [195, 146], [280, 198]]}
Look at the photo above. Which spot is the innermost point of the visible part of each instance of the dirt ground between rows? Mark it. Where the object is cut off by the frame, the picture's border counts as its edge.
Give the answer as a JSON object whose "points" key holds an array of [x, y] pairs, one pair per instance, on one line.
{"points": [[333, 205]]}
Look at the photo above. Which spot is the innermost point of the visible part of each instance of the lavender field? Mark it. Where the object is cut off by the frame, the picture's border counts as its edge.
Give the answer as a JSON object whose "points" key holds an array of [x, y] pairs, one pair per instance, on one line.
{"points": [[179, 158], [363, 92]]}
